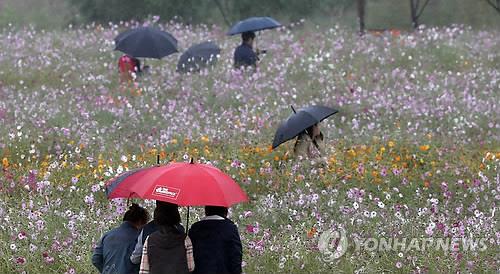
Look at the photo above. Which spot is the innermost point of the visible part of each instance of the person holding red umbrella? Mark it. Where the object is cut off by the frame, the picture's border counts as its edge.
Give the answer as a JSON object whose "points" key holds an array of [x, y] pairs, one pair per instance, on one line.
{"points": [[216, 243], [167, 250], [191, 184]]}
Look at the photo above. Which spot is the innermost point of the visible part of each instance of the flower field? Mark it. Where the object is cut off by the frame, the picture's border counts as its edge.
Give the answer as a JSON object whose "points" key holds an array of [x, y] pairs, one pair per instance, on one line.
{"points": [[414, 151]]}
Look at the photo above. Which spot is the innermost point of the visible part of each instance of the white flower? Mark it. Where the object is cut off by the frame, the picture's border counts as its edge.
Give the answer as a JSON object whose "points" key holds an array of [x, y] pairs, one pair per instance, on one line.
{"points": [[381, 205], [355, 205], [373, 214], [124, 158]]}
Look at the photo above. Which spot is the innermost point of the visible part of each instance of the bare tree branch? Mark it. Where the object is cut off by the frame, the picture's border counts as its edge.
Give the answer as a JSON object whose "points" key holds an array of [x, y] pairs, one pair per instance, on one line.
{"points": [[496, 7], [422, 9], [222, 12]]}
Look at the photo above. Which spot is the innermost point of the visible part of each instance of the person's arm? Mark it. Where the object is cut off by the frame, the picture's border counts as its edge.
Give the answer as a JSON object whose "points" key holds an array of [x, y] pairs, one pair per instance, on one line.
{"points": [[253, 58], [98, 256], [135, 258], [234, 252]]}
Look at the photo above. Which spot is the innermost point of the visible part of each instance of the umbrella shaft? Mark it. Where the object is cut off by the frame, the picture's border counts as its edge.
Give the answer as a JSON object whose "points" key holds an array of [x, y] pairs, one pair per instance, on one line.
{"points": [[187, 221]]}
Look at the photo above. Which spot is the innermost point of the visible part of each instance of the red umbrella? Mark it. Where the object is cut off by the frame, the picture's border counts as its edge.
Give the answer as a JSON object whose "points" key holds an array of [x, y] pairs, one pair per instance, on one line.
{"points": [[184, 184]]}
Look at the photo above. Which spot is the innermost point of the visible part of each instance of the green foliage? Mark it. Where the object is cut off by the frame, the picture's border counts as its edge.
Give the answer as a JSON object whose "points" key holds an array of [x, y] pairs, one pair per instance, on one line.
{"points": [[47, 14], [380, 14]]}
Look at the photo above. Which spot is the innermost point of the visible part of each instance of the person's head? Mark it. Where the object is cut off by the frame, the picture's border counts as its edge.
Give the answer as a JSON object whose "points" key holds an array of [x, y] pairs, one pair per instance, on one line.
{"points": [[136, 215], [248, 37], [166, 214], [313, 130], [216, 210]]}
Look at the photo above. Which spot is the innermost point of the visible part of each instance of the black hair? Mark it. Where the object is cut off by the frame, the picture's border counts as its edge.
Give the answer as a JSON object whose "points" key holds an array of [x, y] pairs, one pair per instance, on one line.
{"points": [[216, 210], [136, 214], [167, 214], [247, 36]]}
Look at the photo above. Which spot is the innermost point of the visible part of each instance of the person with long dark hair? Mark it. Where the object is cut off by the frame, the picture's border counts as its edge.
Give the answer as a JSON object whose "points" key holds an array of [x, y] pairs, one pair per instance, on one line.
{"points": [[168, 250], [309, 143], [113, 250]]}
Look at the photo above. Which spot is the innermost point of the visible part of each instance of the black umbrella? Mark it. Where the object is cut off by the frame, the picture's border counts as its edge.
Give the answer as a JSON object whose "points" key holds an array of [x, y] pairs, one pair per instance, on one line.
{"points": [[147, 42], [300, 121], [198, 56], [253, 24]]}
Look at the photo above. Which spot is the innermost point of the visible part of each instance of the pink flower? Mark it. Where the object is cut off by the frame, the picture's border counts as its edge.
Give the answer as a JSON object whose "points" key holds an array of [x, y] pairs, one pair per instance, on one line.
{"points": [[21, 235], [253, 229], [250, 228], [20, 260]]}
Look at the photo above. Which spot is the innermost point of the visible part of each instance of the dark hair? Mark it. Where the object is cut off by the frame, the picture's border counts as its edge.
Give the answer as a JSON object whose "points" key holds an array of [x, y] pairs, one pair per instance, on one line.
{"points": [[136, 214], [248, 35], [167, 214], [216, 210]]}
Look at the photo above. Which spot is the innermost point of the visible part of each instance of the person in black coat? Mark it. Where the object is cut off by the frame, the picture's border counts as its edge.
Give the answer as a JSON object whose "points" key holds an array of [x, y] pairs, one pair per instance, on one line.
{"points": [[216, 243], [244, 54]]}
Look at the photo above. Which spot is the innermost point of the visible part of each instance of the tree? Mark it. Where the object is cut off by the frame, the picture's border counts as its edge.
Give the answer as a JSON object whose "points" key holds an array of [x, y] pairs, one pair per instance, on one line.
{"points": [[361, 15], [495, 6], [416, 11]]}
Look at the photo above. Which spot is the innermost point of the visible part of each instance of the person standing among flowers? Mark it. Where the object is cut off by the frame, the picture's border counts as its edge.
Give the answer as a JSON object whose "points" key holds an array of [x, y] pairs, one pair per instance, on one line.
{"points": [[127, 66], [216, 243], [168, 250], [309, 143], [244, 55], [147, 230], [113, 250]]}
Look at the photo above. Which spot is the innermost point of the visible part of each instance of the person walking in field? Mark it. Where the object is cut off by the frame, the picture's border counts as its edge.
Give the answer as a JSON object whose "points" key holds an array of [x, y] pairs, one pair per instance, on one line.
{"points": [[309, 143], [112, 253], [244, 55], [147, 230], [128, 66], [168, 249], [216, 243]]}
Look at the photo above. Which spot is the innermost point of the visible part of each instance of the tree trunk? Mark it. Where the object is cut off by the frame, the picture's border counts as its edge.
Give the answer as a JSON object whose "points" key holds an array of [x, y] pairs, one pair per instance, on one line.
{"points": [[414, 11], [361, 15]]}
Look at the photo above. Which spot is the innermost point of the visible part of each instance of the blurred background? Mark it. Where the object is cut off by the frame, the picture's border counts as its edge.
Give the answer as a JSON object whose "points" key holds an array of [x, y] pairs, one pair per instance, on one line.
{"points": [[379, 14]]}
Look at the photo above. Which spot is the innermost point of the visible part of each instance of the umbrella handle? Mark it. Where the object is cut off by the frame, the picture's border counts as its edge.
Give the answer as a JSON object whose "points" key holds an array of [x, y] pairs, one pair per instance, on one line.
{"points": [[293, 109], [187, 221]]}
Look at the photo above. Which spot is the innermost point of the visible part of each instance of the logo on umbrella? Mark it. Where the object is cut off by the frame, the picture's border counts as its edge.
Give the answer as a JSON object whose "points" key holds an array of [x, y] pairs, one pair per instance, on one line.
{"points": [[169, 192]]}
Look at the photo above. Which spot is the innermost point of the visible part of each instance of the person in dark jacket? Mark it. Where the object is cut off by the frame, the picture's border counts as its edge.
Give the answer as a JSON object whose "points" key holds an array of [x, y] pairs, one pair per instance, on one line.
{"points": [[165, 249], [147, 230], [244, 55], [216, 243], [113, 250]]}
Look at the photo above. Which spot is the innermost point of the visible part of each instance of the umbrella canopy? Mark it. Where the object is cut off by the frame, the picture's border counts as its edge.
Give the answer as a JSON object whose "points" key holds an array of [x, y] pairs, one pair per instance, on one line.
{"points": [[300, 121], [147, 42], [184, 184], [253, 24], [198, 56]]}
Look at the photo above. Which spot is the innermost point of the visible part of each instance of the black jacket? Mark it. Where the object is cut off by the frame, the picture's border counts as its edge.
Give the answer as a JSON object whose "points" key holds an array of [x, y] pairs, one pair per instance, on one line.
{"points": [[166, 251], [216, 247]]}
